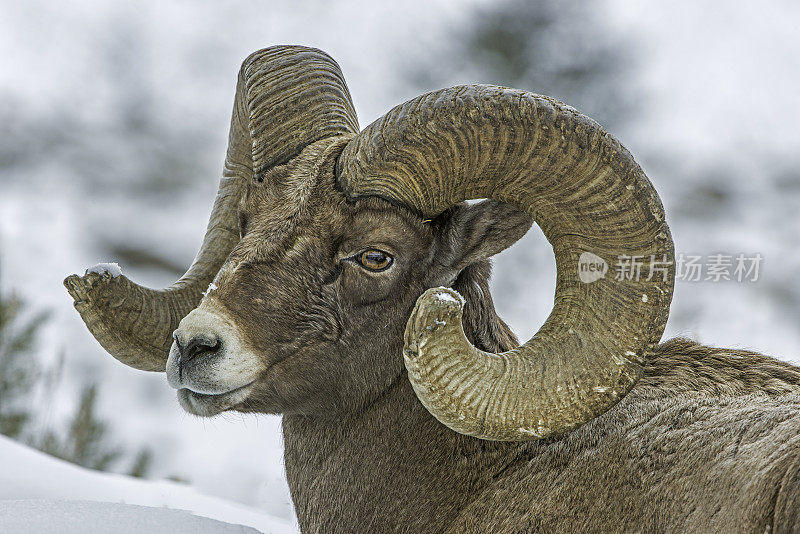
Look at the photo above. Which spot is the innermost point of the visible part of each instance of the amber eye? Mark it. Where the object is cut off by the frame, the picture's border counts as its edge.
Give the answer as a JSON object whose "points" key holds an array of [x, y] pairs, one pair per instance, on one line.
{"points": [[374, 260]]}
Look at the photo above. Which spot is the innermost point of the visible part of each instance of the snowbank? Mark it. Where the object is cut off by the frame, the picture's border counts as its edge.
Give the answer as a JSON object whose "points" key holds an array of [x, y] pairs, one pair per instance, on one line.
{"points": [[50, 492], [80, 517]]}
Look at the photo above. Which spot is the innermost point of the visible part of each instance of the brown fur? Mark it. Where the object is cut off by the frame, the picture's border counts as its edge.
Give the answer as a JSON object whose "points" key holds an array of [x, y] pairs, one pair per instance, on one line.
{"points": [[708, 440]]}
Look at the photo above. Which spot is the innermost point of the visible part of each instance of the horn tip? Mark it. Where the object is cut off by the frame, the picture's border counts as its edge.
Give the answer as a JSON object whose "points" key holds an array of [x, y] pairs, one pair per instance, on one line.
{"points": [[96, 280], [437, 308], [444, 296], [75, 287], [100, 299], [439, 301]]}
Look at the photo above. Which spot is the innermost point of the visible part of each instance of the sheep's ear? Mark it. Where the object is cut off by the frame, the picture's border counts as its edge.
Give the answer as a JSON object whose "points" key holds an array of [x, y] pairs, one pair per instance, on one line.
{"points": [[469, 233]]}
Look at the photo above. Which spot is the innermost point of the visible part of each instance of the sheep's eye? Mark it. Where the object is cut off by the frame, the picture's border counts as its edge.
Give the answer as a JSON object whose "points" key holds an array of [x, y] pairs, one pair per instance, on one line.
{"points": [[374, 260]]}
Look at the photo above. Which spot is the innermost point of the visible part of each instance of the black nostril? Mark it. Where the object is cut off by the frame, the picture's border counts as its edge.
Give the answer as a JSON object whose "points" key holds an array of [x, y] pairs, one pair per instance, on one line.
{"points": [[197, 346]]}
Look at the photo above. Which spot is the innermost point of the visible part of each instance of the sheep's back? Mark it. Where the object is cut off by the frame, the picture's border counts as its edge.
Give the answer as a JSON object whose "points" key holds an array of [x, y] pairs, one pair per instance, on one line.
{"points": [[709, 440]]}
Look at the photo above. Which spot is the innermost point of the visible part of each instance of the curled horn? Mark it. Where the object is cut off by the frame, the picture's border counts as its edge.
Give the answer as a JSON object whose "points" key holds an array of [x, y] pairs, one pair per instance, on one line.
{"points": [[589, 197], [287, 97]]}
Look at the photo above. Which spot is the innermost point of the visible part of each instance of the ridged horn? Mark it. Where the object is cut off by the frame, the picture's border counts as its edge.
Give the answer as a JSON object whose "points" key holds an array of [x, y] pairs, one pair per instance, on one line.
{"points": [[593, 203], [287, 97]]}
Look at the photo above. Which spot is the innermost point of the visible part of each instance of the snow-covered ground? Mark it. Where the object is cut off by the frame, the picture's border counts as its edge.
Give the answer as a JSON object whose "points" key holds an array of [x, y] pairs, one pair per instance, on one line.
{"points": [[40, 494], [44, 516], [715, 133]]}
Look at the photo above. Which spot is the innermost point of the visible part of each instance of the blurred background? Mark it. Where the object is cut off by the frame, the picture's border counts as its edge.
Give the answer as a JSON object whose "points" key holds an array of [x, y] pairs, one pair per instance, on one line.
{"points": [[113, 126]]}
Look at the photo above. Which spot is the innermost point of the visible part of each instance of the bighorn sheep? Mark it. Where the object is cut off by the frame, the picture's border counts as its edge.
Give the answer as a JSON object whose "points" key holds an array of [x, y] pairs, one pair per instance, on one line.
{"points": [[350, 294]]}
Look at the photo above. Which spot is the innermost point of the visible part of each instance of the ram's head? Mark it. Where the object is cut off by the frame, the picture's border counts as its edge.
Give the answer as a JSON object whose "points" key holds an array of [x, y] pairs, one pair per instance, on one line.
{"points": [[330, 252]]}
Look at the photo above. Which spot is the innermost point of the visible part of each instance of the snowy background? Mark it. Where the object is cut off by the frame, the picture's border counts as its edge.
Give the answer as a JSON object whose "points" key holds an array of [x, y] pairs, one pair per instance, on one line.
{"points": [[113, 124], [42, 495]]}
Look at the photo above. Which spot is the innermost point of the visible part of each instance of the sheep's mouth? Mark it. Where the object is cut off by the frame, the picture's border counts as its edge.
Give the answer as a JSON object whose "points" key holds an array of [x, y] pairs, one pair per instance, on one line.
{"points": [[216, 395], [208, 404]]}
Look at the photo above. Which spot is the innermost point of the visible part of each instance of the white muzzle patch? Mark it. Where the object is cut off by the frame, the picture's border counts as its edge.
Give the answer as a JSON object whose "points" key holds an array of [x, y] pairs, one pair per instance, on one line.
{"points": [[215, 381]]}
